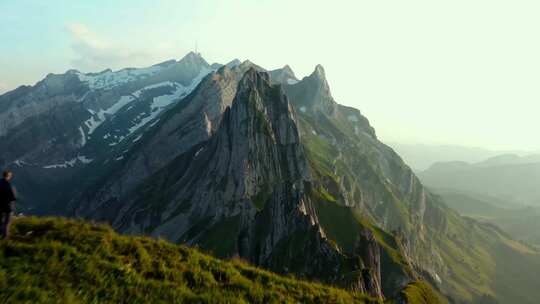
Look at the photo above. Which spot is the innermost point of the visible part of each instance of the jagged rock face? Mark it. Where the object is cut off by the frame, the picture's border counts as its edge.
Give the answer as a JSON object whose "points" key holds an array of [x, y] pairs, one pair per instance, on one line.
{"points": [[286, 236], [188, 124], [26, 102], [368, 174], [367, 248], [364, 174], [313, 93]]}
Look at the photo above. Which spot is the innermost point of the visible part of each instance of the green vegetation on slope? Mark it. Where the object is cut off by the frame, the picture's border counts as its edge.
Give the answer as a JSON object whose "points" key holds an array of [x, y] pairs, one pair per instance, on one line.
{"points": [[343, 224], [421, 293], [67, 261]]}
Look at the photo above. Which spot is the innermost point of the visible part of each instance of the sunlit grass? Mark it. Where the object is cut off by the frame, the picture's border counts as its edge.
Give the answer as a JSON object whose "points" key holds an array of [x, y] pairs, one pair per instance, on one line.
{"points": [[67, 261]]}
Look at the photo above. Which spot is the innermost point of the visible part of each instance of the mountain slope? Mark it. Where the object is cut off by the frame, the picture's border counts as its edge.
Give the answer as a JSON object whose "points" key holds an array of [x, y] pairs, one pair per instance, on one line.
{"points": [[65, 122], [86, 263]]}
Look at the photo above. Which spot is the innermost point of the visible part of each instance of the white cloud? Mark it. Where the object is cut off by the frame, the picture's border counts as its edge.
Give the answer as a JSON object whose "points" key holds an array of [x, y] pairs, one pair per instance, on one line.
{"points": [[93, 52]]}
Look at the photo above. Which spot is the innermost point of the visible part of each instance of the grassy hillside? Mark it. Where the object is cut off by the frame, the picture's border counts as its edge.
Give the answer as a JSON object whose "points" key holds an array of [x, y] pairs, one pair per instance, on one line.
{"points": [[420, 293], [66, 261]]}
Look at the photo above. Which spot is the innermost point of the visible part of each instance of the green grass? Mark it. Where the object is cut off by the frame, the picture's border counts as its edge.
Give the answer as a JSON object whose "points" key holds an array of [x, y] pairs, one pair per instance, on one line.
{"points": [[67, 261], [421, 293]]}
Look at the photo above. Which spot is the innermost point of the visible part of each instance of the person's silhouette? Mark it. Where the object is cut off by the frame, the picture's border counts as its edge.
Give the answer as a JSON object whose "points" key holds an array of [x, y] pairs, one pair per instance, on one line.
{"points": [[7, 197]]}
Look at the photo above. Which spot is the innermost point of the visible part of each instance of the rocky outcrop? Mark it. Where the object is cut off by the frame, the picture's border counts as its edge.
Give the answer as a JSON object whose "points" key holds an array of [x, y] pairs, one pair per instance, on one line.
{"points": [[183, 127], [368, 250], [55, 91], [313, 93]]}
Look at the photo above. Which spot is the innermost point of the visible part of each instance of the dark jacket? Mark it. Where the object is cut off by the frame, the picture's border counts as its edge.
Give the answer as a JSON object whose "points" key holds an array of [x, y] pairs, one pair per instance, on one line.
{"points": [[7, 196]]}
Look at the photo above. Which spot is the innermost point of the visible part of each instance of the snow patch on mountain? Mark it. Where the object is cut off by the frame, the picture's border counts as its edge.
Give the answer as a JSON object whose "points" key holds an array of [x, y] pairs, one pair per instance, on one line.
{"points": [[137, 138], [70, 163], [83, 137], [291, 81], [99, 117], [109, 79], [138, 93], [160, 103], [19, 163], [199, 151], [83, 159]]}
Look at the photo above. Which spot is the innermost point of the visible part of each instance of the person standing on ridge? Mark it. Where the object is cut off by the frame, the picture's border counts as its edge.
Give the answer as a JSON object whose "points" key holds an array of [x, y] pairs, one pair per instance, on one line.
{"points": [[7, 197]]}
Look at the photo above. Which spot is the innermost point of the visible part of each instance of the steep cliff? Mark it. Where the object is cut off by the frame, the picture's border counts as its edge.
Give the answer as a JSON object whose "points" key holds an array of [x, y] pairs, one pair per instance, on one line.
{"points": [[247, 191]]}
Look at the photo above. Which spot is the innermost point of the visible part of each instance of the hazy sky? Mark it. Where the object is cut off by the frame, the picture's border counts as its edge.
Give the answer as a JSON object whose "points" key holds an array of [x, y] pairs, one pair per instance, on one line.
{"points": [[448, 72]]}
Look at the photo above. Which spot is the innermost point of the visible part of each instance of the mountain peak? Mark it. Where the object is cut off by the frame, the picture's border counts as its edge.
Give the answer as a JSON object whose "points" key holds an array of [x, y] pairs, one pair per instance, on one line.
{"points": [[284, 75], [247, 62], [192, 54], [193, 58], [73, 71], [319, 69], [245, 66], [253, 78], [233, 63], [313, 92], [318, 73], [288, 69]]}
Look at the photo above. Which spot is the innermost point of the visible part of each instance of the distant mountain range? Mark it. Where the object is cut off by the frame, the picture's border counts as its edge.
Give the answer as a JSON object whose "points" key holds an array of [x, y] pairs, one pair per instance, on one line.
{"points": [[501, 190], [508, 177], [258, 164], [420, 156]]}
